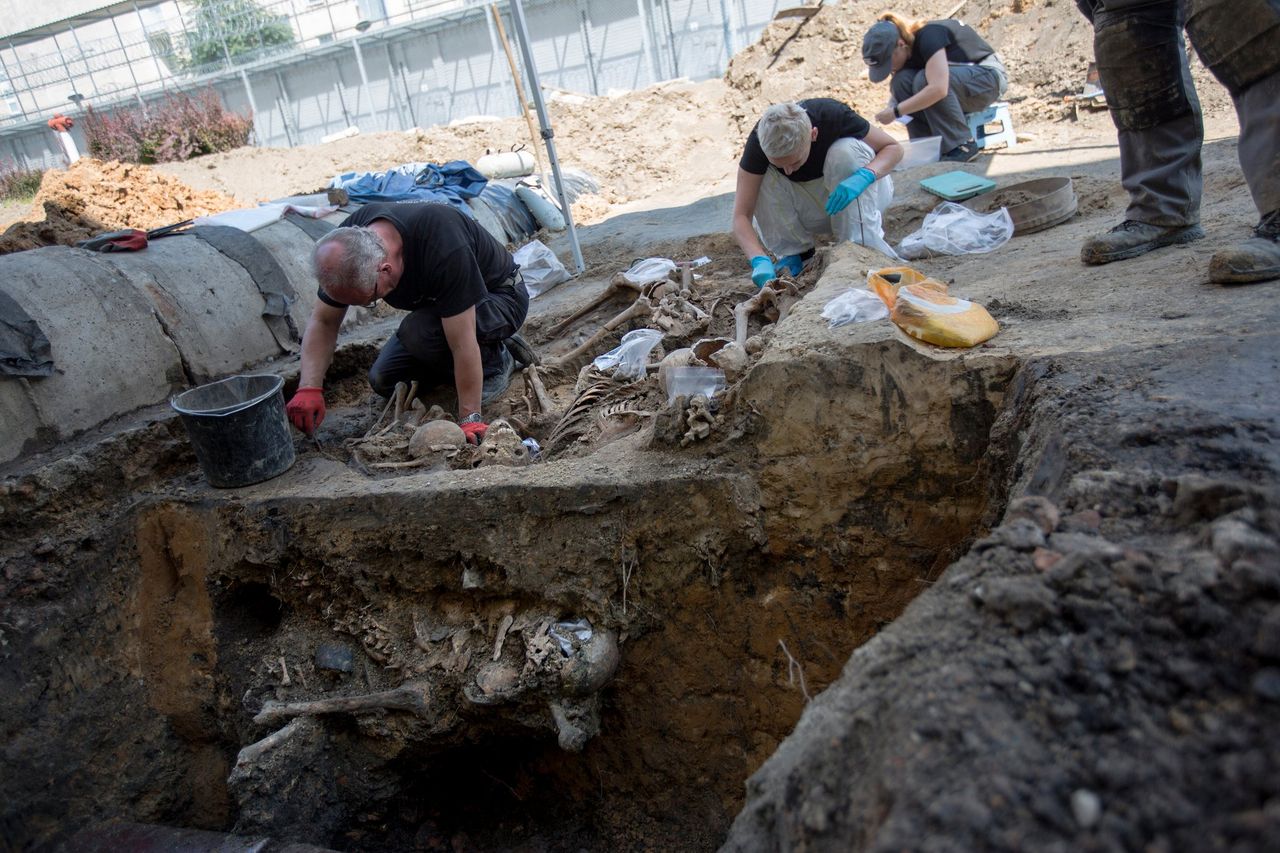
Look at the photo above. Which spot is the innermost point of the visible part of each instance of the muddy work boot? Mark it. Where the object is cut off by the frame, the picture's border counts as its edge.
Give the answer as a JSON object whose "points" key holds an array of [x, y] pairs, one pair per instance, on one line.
{"points": [[1130, 239], [1256, 259], [523, 353]]}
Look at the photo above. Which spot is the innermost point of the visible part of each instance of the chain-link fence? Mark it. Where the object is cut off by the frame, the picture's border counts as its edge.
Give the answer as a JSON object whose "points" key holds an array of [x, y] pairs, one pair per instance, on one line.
{"points": [[310, 68]]}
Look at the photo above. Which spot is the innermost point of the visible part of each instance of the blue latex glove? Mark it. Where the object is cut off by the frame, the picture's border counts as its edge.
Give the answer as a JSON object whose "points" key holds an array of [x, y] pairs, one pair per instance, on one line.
{"points": [[791, 264], [849, 189], [762, 270]]}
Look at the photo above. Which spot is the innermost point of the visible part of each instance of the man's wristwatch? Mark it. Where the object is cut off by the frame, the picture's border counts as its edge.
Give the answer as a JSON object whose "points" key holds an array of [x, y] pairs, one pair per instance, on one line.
{"points": [[473, 418], [896, 114]]}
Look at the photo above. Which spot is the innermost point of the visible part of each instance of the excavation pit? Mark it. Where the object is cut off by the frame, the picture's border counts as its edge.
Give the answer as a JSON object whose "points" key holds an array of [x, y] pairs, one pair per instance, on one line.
{"points": [[361, 662]]}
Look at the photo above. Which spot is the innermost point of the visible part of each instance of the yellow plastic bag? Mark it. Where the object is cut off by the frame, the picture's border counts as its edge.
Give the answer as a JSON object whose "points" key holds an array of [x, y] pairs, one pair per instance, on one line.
{"points": [[921, 308]]}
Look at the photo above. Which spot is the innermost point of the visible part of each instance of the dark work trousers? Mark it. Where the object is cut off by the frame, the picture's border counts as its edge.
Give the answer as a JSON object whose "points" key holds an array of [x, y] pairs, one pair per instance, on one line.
{"points": [[1142, 67], [970, 88], [419, 351]]}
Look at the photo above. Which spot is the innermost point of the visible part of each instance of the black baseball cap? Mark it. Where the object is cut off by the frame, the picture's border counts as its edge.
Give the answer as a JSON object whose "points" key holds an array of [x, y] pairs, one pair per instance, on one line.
{"points": [[877, 49]]}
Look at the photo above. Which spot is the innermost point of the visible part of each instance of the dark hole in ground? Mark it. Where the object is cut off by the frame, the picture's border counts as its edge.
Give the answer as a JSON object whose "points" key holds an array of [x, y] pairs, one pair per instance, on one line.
{"points": [[248, 611], [494, 795]]}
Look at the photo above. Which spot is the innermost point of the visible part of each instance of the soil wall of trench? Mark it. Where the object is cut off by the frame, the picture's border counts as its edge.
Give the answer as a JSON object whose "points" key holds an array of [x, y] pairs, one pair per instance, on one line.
{"points": [[148, 619]]}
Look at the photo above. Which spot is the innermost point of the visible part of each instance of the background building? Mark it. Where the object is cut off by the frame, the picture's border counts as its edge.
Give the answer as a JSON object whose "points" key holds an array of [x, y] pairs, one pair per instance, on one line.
{"points": [[310, 68]]}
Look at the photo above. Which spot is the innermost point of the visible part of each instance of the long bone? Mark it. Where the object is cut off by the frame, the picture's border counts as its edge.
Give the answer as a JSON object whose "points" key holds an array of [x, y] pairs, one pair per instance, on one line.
{"points": [[616, 285], [640, 308], [545, 403], [414, 697]]}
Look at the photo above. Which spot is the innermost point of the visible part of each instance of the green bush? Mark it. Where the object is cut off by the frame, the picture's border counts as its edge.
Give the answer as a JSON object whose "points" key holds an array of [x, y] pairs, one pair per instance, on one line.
{"points": [[17, 183], [179, 127]]}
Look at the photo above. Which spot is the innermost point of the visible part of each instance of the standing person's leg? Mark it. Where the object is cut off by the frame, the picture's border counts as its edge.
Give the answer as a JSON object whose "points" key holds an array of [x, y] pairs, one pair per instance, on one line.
{"points": [[860, 222], [970, 88], [1237, 42], [903, 85], [1142, 66], [789, 215]]}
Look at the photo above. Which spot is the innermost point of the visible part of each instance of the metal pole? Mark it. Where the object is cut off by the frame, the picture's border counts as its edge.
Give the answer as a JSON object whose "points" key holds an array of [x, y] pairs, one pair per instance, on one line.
{"points": [[391, 87], [522, 33], [671, 39], [65, 70], [84, 60], [728, 32], [9, 77], [19, 158], [333, 28], [342, 101], [408, 95], [26, 81], [585, 31], [508, 85], [282, 104], [151, 48], [646, 41], [253, 106], [365, 91], [137, 88]]}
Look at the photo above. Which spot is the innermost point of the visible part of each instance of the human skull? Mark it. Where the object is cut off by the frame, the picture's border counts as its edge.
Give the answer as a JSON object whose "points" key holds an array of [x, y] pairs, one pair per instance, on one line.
{"points": [[502, 445]]}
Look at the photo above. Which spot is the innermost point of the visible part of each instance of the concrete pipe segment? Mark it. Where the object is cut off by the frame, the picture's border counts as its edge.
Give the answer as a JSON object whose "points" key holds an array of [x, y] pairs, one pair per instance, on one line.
{"points": [[128, 329]]}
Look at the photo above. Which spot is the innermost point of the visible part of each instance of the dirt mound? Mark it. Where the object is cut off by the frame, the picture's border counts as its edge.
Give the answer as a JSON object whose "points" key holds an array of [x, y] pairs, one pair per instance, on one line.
{"points": [[93, 196]]}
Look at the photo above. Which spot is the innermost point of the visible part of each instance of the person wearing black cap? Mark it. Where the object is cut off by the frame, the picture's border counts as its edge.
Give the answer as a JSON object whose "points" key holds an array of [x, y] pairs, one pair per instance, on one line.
{"points": [[941, 70]]}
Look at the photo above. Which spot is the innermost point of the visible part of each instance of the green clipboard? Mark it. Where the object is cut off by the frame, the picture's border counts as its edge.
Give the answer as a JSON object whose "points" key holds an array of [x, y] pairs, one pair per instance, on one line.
{"points": [[957, 185]]}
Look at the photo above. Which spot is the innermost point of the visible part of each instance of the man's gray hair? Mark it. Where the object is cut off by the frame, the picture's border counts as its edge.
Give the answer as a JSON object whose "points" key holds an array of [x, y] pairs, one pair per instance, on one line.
{"points": [[783, 129], [353, 270]]}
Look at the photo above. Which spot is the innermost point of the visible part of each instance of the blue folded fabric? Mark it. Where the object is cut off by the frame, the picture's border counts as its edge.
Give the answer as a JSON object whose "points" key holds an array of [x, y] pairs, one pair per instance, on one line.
{"points": [[452, 183]]}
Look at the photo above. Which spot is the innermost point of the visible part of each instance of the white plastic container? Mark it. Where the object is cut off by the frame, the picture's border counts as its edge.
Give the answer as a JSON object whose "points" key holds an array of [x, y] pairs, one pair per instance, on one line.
{"points": [[507, 164], [917, 152], [542, 207]]}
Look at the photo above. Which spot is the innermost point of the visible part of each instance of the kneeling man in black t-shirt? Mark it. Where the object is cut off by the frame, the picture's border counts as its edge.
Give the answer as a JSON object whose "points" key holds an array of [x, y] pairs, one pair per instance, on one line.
{"points": [[811, 168], [463, 290]]}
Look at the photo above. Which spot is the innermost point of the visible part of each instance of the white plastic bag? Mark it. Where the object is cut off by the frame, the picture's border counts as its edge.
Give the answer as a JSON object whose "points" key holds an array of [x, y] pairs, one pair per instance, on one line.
{"points": [[953, 229], [541, 268], [854, 306], [629, 358], [649, 269]]}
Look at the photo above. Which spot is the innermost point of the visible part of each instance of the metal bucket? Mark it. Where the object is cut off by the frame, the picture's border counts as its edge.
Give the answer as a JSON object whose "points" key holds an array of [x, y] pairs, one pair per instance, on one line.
{"points": [[238, 429]]}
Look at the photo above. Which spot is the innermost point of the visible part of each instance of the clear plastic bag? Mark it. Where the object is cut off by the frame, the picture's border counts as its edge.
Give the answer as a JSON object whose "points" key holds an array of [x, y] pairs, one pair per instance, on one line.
{"points": [[629, 358], [576, 183], [854, 306], [649, 269], [541, 268], [953, 229]]}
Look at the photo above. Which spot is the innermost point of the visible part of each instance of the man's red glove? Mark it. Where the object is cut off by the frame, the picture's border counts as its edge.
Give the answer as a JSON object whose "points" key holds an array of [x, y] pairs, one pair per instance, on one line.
{"points": [[306, 409], [475, 431]]}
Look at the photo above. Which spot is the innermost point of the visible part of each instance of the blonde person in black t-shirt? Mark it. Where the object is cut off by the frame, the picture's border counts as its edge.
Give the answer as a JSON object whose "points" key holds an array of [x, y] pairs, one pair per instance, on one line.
{"points": [[464, 293], [810, 169], [941, 70]]}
